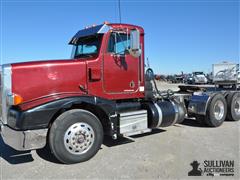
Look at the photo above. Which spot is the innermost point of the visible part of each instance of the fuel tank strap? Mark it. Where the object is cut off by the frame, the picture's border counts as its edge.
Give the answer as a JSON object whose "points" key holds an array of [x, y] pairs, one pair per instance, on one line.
{"points": [[176, 113], [160, 115]]}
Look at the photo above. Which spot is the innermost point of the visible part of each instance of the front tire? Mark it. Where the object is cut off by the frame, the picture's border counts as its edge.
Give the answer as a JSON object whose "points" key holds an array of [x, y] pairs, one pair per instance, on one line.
{"points": [[75, 136]]}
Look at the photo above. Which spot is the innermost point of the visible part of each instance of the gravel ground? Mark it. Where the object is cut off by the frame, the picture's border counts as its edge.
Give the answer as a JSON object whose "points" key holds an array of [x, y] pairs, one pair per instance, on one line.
{"points": [[165, 153]]}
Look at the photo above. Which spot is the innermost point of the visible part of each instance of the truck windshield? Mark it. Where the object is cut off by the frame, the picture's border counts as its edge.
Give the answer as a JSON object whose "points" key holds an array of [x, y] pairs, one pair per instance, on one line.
{"points": [[198, 73], [87, 46]]}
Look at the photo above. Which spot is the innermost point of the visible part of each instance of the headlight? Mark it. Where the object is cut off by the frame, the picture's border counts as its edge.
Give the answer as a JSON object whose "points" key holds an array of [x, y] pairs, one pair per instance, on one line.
{"points": [[14, 99]]}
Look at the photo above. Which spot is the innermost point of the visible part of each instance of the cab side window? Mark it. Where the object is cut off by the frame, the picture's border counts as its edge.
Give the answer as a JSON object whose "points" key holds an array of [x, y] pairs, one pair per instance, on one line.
{"points": [[118, 43]]}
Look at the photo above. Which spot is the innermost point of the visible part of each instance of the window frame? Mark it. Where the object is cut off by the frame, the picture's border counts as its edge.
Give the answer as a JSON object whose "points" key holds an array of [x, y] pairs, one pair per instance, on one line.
{"points": [[125, 52], [75, 48]]}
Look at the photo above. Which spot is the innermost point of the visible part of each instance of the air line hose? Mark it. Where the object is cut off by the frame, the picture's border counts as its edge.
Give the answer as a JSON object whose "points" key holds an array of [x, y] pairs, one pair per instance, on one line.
{"points": [[163, 94]]}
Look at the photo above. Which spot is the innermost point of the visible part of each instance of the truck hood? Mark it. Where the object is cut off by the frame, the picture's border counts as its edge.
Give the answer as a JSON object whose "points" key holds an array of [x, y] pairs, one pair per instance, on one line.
{"points": [[37, 82], [200, 76]]}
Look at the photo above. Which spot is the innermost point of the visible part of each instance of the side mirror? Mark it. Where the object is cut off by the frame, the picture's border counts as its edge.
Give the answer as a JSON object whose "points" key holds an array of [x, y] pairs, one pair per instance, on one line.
{"points": [[135, 49]]}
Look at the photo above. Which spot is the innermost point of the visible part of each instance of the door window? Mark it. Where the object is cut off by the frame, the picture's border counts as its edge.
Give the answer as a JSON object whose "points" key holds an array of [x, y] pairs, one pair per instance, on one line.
{"points": [[119, 43], [87, 46]]}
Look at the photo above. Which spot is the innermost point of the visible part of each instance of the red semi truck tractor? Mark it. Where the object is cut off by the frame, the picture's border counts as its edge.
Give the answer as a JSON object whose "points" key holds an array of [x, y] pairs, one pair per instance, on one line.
{"points": [[103, 89]]}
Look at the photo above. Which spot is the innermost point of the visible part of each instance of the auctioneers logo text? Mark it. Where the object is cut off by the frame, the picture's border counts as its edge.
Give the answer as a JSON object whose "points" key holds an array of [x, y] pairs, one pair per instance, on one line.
{"points": [[212, 168]]}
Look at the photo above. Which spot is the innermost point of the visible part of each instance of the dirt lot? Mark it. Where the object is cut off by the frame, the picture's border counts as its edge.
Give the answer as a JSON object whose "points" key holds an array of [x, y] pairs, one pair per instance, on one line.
{"points": [[164, 153]]}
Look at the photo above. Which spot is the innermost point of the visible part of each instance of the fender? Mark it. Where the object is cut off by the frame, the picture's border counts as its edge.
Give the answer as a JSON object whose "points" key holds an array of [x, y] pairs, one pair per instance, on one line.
{"points": [[40, 116], [198, 104]]}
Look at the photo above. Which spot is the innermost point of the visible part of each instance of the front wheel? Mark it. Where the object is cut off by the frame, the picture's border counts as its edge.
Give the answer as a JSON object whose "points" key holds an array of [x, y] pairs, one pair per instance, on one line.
{"points": [[75, 136]]}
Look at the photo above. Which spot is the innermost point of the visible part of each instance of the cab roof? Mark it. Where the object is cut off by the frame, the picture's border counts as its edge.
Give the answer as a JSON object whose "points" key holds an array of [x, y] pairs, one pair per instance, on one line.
{"points": [[100, 29]]}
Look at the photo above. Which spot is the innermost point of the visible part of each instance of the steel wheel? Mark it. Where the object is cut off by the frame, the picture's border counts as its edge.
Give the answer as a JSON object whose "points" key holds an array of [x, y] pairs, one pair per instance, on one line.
{"points": [[219, 110], [75, 136], [216, 110], [237, 106], [233, 101], [79, 138]]}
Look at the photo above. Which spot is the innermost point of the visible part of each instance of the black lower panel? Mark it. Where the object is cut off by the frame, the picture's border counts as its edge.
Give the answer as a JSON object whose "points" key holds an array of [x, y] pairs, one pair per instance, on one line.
{"points": [[39, 117]]}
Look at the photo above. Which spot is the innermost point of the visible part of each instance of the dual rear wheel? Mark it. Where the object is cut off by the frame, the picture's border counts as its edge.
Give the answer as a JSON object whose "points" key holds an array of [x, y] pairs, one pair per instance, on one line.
{"points": [[233, 101], [221, 108]]}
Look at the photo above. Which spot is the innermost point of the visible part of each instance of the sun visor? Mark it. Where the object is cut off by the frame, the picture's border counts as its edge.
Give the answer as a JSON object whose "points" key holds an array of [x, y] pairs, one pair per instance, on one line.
{"points": [[99, 29]]}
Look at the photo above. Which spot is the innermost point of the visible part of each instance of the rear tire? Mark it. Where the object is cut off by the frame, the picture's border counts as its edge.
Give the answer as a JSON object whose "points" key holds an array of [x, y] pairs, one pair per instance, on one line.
{"points": [[201, 120], [233, 104], [75, 136], [216, 111]]}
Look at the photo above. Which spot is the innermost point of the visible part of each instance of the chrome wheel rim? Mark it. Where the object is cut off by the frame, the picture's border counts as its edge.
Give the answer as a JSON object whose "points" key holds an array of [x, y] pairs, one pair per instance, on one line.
{"points": [[219, 110], [79, 138], [237, 106]]}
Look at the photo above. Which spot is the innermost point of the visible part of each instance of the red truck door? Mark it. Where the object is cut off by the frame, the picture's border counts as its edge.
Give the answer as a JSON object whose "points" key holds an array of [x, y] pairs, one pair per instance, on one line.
{"points": [[121, 70]]}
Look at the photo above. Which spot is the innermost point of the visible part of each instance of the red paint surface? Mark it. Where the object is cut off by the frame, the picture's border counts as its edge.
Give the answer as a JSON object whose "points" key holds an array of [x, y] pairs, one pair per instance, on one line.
{"points": [[44, 81]]}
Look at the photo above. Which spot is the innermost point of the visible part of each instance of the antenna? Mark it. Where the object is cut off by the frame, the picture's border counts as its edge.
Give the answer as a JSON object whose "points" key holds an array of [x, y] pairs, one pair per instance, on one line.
{"points": [[119, 11]]}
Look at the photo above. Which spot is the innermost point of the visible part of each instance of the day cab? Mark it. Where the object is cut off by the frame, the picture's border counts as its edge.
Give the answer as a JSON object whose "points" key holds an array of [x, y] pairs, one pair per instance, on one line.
{"points": [[103, 89]]}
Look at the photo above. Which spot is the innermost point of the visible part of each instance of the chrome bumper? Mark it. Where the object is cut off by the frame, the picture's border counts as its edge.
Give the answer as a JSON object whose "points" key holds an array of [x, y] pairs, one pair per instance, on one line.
{"points": [[23, 140]]}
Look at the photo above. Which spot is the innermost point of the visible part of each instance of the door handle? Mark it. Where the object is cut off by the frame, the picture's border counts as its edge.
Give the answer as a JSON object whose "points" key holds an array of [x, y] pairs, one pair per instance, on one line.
{"points": [[94, 74], [82, 88]]}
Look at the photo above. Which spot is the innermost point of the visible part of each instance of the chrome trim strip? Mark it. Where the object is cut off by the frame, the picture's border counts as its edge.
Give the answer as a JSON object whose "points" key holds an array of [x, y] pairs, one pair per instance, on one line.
{"points": [[6, 89], [1, 90], [73, 51], [160, 114], [176, 113], [208, 100], [104, 29]]}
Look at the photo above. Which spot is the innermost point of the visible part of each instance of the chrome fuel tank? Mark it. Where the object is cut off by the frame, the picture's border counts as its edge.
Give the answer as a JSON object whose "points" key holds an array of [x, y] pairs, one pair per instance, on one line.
{"points": [[164, 113]]}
